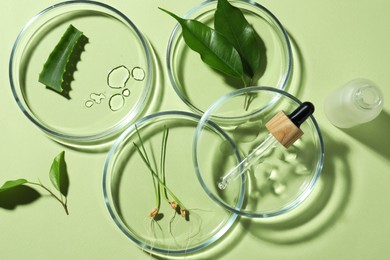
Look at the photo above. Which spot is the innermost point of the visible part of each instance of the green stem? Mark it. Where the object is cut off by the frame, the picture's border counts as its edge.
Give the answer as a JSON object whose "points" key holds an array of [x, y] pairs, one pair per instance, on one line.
{"points": [[246, 101], [155, 185], [63, 203], [181, 205], [142, 144], [144, 154], [162, 161]]}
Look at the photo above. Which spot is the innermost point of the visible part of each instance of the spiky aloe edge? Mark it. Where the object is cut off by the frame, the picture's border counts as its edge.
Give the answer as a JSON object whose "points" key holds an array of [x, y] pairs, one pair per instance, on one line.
{"points": [[61, 62]]}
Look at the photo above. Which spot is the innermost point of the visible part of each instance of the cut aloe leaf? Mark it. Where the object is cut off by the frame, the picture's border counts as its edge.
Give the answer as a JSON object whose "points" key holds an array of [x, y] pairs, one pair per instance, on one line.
{"points": [[57, 72]]}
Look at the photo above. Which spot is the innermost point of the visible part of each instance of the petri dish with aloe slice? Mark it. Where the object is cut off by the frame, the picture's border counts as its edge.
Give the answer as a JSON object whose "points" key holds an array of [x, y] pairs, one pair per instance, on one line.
{"points": [[132, 197], [109, 86], [191, 78], [282, 178]]}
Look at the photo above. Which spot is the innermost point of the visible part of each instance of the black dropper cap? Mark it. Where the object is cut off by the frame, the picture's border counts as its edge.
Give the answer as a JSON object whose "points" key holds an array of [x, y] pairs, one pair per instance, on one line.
{"points": [[299, 115]]}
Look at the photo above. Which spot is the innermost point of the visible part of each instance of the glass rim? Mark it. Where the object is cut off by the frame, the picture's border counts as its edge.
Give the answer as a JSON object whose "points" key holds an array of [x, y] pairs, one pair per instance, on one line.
{"points": [[83, 139]]}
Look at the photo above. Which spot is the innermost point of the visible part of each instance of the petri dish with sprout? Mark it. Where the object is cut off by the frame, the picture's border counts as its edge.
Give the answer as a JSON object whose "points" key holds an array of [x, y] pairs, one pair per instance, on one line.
{"points": [[276, 179], [160, 205], [110, 81], [191, 78]]}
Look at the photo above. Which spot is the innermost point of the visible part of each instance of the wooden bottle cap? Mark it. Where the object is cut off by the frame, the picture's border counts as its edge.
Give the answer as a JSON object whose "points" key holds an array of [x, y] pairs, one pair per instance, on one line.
{"points": [[283, 129]]}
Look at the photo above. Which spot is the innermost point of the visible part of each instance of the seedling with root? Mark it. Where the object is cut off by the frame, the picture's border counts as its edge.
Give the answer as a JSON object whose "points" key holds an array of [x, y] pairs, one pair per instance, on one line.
{"points": [[159, 179]]}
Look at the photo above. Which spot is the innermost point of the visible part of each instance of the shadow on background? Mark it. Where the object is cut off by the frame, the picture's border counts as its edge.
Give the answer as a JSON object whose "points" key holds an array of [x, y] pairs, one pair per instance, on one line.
{"points": [[374, 134], [298, 72], [18, 196], [319, 212]]}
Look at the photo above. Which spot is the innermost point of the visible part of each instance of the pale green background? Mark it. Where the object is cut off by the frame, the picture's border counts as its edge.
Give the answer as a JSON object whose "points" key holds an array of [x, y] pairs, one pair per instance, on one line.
{"points": [[347, 217]]}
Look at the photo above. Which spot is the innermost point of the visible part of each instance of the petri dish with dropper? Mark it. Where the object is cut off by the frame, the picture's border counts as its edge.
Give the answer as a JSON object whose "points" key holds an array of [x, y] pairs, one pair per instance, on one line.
{"points": [[282, 178], [111, 83]]}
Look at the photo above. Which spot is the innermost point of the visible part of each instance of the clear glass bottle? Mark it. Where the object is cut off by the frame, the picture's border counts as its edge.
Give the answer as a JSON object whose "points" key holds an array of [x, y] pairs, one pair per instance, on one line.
{"points": [[357, 102]]}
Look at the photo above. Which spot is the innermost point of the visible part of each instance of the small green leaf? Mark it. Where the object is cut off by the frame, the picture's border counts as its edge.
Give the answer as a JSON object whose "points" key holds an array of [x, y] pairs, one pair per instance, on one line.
{"points": [[62, 60], [13, 183], [58, 174], [214, 49], [231, 23]]}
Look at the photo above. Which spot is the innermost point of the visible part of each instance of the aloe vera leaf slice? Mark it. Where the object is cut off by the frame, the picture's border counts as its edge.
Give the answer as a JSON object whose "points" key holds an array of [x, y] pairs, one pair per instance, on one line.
{"points": [[52, 74]]}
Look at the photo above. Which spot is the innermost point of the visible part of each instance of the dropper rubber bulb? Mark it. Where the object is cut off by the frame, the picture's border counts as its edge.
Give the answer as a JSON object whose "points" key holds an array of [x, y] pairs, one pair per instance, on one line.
{"points": [[299, 115]]}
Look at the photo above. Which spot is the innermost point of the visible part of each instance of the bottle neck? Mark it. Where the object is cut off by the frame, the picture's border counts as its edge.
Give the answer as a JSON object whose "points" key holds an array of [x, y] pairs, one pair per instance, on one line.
{"points": [[367, 98]]}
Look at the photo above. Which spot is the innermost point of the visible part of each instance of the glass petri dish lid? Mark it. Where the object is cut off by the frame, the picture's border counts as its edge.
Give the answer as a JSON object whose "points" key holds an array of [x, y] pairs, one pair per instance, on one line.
{"points": [[279, 180], [109, 86], [191, 78], [132, 197]]}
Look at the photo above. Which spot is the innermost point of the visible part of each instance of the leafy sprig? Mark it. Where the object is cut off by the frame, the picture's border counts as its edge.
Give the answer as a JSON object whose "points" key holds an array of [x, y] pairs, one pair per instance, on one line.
{"points": [[58, 177], [232, 47], [159, 178]]}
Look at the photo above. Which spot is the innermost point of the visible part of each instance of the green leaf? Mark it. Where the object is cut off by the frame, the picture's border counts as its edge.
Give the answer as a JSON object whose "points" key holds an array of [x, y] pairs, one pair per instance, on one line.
{"points": [[61, 61], [214, 49], [11, 184], [58, 174], [231, 23]]}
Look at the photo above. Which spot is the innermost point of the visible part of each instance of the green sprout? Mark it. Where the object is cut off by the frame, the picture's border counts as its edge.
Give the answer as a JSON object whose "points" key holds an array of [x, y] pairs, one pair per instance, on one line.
{"points": [[159, 178]]}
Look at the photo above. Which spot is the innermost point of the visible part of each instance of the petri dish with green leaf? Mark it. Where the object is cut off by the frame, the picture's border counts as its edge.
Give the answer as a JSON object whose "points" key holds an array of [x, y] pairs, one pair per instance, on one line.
{"points": [[266, 58], [106, 75]]}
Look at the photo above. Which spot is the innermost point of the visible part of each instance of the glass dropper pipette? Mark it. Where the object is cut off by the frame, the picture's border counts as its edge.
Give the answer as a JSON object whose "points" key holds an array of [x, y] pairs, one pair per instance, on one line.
{"points": [[284, 129]]}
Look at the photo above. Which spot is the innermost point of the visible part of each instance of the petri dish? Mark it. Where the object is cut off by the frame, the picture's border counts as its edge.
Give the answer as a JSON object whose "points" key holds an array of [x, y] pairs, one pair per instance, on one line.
{"points": [[191, 78], [282, 178], [130, 194], [108, 88]]}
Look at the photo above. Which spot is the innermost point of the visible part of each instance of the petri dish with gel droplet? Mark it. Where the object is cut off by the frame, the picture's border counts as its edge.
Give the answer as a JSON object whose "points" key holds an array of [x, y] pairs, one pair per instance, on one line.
{"points": [[279, 180], [105, 96]]}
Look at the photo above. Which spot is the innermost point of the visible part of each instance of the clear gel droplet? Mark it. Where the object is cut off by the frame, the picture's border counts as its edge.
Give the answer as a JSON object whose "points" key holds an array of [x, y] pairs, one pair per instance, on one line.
{"points": [[279, 188], [289, 157], [273, 175], [116, 102], [97, 98], [89, 103], [118, 77], [301, 170], [138, 73], [126, 92]]}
